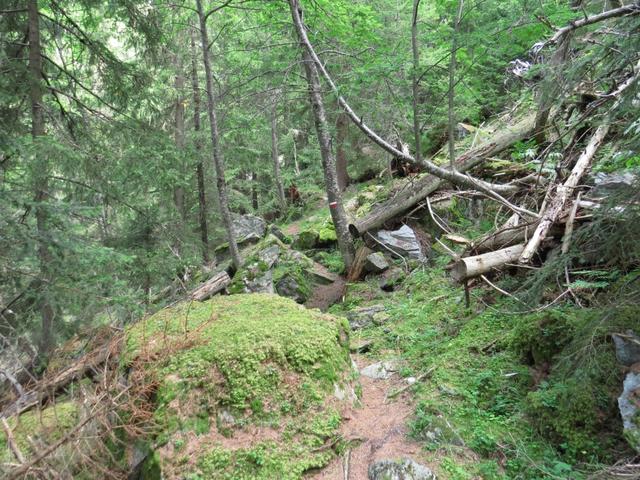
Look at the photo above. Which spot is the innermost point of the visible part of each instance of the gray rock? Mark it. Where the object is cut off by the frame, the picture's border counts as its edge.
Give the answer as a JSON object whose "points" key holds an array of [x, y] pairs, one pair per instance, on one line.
{"points": [[629, 410], [627, 347], [269, 256], [248, 228], [320, 275], [402, 241], [287, 286], [363, 316], [391, 278], [380, 370], [276, 232], [225, 419], [361, 346], [405, 469], [376, 263], [607, 184], [260, 284], [344, 392]]}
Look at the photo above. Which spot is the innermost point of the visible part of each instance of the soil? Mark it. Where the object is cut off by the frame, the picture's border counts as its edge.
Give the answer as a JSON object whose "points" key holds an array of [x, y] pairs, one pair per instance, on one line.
{"points": [[323, 296], [378, 429]]}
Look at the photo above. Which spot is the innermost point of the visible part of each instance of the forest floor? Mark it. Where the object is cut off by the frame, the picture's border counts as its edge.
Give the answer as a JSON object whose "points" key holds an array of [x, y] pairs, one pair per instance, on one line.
{"points": [[376, 429]]}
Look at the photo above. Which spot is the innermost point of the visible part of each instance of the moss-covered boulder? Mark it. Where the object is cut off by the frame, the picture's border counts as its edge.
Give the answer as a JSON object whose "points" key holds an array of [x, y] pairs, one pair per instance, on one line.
{"points": [[245, 386]]}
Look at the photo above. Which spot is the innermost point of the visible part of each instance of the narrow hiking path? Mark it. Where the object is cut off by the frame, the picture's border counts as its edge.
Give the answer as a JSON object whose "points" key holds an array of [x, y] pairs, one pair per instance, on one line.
{"points": [[376, 429]]}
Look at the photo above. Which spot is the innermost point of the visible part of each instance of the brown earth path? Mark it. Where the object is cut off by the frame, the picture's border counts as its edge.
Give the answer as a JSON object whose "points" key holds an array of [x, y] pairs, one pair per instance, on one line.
{"points": [[378, 429]]}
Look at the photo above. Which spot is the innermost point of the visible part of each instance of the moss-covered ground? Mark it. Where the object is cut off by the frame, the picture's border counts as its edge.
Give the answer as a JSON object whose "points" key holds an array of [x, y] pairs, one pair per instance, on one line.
{"points": [[235, 362], [507, 394], [38, 427]]}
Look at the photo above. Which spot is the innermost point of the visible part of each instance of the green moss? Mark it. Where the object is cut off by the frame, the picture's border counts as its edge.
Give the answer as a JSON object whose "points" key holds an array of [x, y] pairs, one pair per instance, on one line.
{"points": [[261, 357], [48, 426], [264, 461]]}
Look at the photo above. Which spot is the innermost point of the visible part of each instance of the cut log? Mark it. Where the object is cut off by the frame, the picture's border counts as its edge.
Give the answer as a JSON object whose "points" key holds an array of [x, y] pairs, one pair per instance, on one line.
{"points": [[430, 183], [557, 202], [214, 285], [470, 267]]}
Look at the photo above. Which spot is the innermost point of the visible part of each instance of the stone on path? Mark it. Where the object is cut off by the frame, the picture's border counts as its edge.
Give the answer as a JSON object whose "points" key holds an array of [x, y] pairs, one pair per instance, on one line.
{"points": [[405, 469], [380, 370]]}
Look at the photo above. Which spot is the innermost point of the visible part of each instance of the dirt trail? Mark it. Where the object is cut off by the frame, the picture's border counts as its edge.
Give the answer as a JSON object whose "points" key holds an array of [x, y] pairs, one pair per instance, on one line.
{"points": [[380, 427]]}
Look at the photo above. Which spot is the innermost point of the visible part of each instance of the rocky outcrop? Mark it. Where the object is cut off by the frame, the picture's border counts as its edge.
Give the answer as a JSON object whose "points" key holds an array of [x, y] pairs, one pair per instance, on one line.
{"points": [[248, 227]]}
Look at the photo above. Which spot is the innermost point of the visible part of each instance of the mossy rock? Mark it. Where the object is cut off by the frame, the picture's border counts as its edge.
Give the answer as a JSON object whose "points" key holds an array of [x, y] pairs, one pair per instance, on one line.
{"points": [[262, 360], [306, 240]]}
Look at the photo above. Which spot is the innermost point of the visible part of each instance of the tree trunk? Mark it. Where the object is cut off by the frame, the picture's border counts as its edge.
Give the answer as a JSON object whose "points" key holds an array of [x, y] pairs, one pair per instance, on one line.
{"points": [[342, 130], [470, 267], [452, 85], [202, 196], [179, 136], [254, 191], [218, 159], [41, 181], [282, 200], [338, 215], [415, 77], [214, 285], [557, 202], [430, 183]]}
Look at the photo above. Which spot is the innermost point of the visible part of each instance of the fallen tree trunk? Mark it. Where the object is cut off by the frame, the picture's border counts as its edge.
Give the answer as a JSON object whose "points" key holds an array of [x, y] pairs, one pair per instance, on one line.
{"points": [[557, 202], [430, 183], [470, 267], [48, 387], [214, 285]]}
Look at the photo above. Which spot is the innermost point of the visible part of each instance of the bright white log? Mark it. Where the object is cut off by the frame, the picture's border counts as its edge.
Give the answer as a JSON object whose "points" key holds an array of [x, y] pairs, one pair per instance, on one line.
{"points": [[470, 267]]}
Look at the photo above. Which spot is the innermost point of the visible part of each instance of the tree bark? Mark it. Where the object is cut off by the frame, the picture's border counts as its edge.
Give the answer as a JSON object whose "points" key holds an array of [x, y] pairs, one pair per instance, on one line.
{"points": [[557, 202], [202, 196], [415, 79], [218, 159], [214, 285], [452, 85], [277, 175], [41, 181], [342, 130], [338, 215], [179, 136], [470, 267], [429, 183]]}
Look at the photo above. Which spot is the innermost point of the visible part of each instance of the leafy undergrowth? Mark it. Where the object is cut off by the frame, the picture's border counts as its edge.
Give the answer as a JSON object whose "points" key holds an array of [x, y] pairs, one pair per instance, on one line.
{"points": [[234, 364], [505, 395]]}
